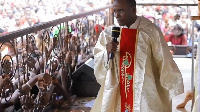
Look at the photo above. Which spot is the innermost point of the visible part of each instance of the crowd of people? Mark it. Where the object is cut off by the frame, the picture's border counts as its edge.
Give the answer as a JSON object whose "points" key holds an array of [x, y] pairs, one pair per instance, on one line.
{"points": [[39, 76], [20, 14], [169, 17]]}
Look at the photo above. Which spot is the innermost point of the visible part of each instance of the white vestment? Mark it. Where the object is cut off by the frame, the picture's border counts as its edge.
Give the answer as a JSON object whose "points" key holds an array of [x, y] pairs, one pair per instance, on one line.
{"points": [[196, 97], [157, 77]]}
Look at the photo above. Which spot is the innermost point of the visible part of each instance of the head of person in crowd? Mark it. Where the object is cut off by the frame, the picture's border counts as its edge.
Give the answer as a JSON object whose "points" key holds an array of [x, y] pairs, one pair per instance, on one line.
{"points": [[177, 36], [167, 16], [184, 16], [177, 17], [178, 30], [10, 13], [1, 31]]}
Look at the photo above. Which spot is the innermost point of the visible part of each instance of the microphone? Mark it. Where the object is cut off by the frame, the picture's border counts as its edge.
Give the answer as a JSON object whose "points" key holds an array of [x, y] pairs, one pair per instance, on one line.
{"points": [[115, 35]]}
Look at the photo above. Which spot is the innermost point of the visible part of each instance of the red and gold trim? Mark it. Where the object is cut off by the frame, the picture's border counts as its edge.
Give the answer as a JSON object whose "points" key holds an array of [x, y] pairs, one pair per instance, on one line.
{"points": [[128, 47]]}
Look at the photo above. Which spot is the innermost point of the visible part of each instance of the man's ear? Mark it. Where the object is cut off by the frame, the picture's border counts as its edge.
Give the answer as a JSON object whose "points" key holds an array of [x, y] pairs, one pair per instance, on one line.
{"points": [[133, 9]]}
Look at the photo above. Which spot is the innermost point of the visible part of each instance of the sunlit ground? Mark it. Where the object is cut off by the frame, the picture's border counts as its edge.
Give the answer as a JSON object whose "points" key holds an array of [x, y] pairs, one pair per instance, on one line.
{"points": [[185, 65]]}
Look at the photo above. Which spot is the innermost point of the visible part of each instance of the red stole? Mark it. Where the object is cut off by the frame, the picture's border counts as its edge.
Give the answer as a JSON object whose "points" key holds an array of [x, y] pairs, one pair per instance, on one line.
{"points": [[128, 46]]}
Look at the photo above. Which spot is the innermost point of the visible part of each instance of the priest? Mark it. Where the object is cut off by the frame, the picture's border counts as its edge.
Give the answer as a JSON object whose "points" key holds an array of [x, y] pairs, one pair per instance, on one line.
{"points": [[142, 76]]}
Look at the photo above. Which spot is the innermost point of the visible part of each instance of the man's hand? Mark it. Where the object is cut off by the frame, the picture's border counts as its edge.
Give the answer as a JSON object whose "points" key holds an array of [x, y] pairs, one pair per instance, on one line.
{"points": [[55, 81], [27, 102], [111, 47], [44, 98], [46, 78], [31, 62], [68, 58], [55, 42], [3, 81]]}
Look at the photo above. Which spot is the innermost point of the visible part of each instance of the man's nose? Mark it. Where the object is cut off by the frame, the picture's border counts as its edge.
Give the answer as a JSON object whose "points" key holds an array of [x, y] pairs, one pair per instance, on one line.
{"points": [[116, 14]]}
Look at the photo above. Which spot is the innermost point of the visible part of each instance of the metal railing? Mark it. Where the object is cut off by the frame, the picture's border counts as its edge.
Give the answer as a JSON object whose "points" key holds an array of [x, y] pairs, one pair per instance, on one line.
{"points": [[46, 50], [165, 4], [45, 25]]}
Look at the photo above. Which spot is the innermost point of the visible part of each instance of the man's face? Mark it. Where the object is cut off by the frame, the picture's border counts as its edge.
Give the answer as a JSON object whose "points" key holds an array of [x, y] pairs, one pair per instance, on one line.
{"points": [[124, 13]]}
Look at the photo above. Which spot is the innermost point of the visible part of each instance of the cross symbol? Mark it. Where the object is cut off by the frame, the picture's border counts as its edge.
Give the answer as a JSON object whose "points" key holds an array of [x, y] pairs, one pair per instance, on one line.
{"points": [[128, 107]]}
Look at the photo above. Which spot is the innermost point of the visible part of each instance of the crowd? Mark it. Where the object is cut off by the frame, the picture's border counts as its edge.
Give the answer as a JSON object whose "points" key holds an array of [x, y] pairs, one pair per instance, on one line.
{"points": [[19, 14], [168, 17], [39, 76]]}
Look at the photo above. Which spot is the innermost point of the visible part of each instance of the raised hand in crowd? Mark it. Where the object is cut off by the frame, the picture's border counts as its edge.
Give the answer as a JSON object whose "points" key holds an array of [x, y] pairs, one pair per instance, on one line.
{"points": [[3, 81], [27, 103]]}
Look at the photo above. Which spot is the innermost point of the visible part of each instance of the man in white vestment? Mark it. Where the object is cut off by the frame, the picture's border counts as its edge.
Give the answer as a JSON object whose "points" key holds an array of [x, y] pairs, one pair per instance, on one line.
{"points": [[157, 78]]}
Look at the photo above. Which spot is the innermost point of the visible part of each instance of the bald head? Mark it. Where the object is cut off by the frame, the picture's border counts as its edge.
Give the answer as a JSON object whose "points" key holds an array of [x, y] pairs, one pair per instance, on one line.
{"points": [[132, 3]]}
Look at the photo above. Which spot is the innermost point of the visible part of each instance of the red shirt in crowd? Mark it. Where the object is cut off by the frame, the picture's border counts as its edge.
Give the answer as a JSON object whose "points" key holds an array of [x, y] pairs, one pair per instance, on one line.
{"points": [[181, 40]]}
